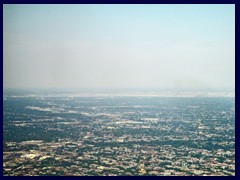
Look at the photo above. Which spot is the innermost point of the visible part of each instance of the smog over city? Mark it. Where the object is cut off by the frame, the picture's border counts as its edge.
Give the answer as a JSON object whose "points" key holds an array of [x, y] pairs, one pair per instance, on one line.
{"points": [[119, 90]]}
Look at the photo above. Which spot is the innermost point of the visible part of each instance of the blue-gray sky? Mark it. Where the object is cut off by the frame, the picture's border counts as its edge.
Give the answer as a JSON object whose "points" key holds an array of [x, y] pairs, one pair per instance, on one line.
{"points": [[111, 46]]}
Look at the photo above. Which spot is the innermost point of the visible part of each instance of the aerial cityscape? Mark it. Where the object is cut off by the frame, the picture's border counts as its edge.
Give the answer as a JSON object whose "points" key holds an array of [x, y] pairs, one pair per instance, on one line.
{"points": [[118, 90], [70, 134]]}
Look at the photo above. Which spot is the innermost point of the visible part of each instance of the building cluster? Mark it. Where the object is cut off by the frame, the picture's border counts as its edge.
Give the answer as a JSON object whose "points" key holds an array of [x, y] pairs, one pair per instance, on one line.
{"points": [[78, 158], [150, 137]]}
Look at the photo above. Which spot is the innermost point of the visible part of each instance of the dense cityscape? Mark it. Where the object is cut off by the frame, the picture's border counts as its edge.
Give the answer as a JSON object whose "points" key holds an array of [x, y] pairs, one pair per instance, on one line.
{"points": [[60, 133]]}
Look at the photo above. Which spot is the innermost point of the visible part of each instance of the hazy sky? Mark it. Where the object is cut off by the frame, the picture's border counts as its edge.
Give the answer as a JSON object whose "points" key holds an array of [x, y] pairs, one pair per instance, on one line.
{"points": [[111, 46]]}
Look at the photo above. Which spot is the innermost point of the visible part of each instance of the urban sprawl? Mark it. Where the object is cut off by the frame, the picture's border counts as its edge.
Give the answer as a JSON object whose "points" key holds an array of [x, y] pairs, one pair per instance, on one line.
{"points": [[118, 136]]}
